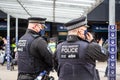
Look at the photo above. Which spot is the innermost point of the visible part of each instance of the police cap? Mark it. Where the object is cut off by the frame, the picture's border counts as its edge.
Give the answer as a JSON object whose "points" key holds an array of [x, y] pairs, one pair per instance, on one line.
{"points": [[37, 20], [75, 23]]}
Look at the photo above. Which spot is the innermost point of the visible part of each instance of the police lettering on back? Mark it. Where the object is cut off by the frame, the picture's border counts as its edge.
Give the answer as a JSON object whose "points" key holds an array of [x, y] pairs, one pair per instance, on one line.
{"points": [[21, 43], [69, 51]]}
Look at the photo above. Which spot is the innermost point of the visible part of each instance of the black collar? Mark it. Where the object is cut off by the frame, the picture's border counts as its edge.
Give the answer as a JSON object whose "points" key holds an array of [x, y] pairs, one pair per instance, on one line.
{"points": [[32, 32], [72, 38]]}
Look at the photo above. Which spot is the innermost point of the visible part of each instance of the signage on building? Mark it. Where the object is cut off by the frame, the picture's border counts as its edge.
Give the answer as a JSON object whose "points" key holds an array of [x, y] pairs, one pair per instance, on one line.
{"points": [[62, 33], [100, 28], [60, 27], [112, 36], [48, 27], [3, 25]]}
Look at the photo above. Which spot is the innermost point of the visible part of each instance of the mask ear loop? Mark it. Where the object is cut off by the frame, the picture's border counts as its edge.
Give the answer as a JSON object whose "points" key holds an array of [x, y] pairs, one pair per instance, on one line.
{"points": [[78, 33], [85, 34], [42, 27]]}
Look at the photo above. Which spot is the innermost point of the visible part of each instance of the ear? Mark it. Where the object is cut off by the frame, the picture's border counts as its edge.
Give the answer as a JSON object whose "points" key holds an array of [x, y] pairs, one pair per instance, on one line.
{"points": [[34, 26], [78, 33], [41, 26]]}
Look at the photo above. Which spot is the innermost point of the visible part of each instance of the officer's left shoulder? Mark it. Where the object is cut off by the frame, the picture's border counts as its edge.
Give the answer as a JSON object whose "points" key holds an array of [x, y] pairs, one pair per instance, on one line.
{"points": [[35, 36], [94, 44], [41, 40]]}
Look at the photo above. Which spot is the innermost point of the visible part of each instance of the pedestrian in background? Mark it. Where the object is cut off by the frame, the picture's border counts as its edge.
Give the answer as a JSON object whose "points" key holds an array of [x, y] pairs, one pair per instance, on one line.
{"points": [[12, 47], [52, 45], [3, 54], [1, 42], [33, 55], [75, 58]]}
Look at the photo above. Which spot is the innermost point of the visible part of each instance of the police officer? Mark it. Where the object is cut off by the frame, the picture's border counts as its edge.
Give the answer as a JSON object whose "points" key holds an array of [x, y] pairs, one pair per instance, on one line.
{"points": [[72, 58], [33, 55]]}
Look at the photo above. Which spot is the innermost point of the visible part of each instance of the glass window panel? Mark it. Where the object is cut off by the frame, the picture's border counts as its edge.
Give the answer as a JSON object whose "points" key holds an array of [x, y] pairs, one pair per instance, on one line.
{"points": [[65, 10]]}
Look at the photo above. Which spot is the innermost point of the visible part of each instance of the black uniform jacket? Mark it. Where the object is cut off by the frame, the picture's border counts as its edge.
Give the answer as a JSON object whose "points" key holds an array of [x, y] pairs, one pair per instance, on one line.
{"points": [[75, 59], [33, 53]]}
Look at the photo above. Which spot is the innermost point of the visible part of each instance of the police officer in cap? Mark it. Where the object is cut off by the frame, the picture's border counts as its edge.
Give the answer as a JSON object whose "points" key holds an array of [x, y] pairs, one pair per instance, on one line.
{"points": [[73, 61], [33, 55]]}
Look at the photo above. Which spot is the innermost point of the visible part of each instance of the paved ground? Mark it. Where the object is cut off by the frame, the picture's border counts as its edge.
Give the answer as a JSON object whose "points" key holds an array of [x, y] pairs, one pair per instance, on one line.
{"points": [[12, 75]]}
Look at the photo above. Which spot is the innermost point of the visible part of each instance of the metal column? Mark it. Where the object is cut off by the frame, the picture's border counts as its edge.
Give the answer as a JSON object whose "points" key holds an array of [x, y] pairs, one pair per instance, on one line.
{"points": [[8, 42], [112, 40], [16, 36]]}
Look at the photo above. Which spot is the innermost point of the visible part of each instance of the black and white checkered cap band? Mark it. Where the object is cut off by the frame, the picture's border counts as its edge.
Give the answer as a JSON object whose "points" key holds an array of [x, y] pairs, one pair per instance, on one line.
{"points": [[36, 21], [77, 25]]}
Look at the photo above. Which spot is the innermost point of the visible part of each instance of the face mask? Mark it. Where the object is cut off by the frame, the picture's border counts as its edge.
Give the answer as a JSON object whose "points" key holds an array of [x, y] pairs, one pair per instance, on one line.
{"points": [[85, 33], [42, 32]]}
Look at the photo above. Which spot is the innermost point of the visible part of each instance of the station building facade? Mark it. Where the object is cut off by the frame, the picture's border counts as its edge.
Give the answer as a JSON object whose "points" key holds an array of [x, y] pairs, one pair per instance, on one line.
{"points": [[98, 20]]}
